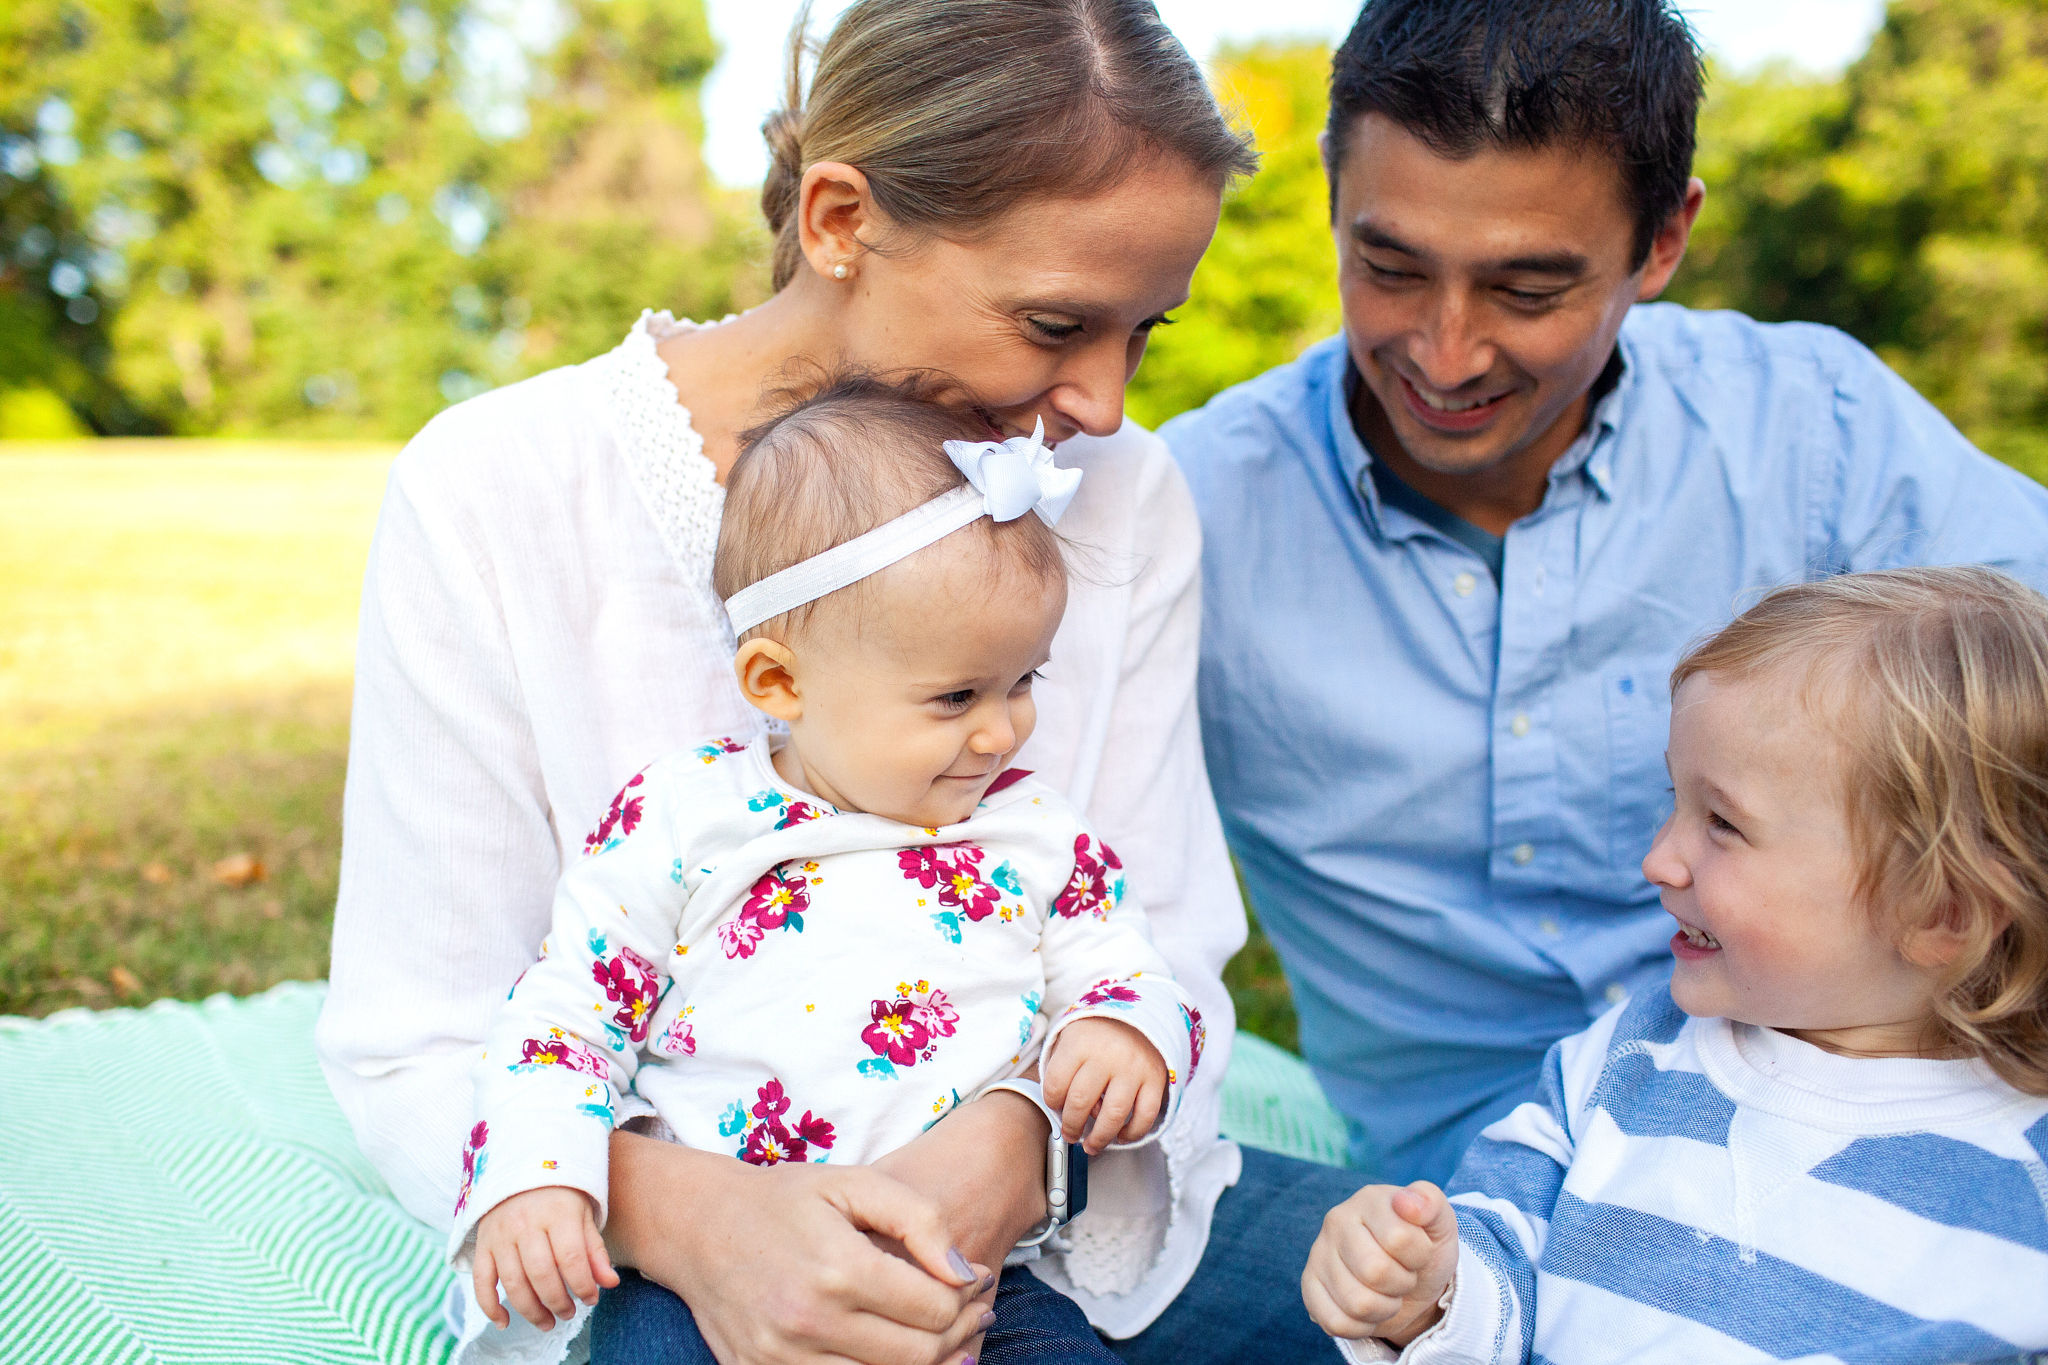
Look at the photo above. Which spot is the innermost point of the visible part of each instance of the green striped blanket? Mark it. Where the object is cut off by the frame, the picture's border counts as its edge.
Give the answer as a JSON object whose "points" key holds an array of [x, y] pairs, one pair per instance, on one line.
{"points": [[177, 1185]]}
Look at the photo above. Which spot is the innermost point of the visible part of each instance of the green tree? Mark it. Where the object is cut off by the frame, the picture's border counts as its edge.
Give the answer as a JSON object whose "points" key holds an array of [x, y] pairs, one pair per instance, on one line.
{"points": [[1906, 203], [332, 217], [1268, 287]]}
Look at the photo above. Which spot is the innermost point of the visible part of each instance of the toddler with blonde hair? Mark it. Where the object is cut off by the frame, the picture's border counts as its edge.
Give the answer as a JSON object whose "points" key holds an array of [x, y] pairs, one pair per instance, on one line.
{"points": [[812, 945], [1828, 1138]]}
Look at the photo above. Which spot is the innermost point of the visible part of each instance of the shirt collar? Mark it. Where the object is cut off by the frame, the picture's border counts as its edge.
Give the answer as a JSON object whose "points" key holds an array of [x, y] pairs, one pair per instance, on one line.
{"points": [[1611, 395]]}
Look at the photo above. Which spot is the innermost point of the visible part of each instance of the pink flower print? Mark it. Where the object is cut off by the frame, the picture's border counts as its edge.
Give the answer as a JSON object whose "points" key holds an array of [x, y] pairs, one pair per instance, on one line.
{"points": [[711, 752], [780, 895], [1088, 891], [1107, 993], [563, 1051], [634, 983], [920, 865], [740, 935], [624, 817], [796, 812], [678, 1039], [1198, 1033], [769, 1143], [472, 1163], [772, 1102], [937, 1014], [954, 871], [769, 1140], [815, 1131], [896, 1032]]}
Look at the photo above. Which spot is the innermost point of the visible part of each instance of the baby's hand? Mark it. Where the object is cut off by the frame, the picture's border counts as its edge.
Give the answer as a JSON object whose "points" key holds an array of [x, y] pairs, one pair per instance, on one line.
{"points": [[1100, 1062], [544, 1245], [1383, 1259]]}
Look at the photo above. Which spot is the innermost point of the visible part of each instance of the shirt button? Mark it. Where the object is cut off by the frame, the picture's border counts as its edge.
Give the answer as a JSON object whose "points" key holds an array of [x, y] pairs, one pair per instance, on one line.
{"points": [[1523, 854], [1616, 992], [1463, 584], [1549, 926], [1519, 725]]}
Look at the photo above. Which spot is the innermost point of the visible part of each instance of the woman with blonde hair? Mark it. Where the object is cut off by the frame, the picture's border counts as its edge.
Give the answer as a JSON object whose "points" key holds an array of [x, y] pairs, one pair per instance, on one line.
{"points": [[1013, 193]]}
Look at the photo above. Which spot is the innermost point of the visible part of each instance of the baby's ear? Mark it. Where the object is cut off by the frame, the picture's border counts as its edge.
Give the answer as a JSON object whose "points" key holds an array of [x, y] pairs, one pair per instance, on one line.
{"points": [[767, 673]]}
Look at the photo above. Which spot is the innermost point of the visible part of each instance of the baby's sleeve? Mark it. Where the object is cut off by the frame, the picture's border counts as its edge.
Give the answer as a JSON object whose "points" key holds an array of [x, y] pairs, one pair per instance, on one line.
{"points": [[1100, 963], [564, 1046]]}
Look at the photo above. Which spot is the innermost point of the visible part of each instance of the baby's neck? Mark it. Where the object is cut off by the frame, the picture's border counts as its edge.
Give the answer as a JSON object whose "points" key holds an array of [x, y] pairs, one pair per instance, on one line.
{"points": [[789, 766]]}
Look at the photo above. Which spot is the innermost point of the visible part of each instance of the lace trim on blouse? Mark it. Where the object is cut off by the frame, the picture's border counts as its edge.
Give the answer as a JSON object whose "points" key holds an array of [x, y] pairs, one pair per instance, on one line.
{"points": [[665, 453]]}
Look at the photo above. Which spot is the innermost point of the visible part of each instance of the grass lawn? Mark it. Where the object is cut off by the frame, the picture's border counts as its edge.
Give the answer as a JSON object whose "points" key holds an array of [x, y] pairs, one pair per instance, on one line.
{"points": [[177, 624]]}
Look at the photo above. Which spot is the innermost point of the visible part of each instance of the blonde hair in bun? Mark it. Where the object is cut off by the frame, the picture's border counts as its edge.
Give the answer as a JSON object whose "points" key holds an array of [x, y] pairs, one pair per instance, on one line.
{"points": [[957, 110]]}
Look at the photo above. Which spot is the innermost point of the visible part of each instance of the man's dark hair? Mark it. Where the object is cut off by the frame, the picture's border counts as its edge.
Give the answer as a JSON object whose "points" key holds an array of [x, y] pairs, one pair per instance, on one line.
{"points": [[1458, 74]]}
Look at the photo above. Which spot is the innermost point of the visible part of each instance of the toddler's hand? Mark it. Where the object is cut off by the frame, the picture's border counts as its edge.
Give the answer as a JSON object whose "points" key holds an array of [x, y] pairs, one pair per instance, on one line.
{"points": [[544, 1246], [1111, 1070], [1383, 1259]]}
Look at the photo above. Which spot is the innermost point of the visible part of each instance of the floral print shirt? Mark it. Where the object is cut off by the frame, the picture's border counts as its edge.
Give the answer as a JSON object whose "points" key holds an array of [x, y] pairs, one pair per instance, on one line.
{"points": [[782, 981]]}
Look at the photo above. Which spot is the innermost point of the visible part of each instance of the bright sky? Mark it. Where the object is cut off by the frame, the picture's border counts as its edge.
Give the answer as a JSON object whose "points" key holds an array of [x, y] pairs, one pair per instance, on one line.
{"points": [[1819, 35]]}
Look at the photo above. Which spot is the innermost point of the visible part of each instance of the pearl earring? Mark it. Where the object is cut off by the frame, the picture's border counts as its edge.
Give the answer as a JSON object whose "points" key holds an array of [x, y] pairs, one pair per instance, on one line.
{"points": [[839, 271]]}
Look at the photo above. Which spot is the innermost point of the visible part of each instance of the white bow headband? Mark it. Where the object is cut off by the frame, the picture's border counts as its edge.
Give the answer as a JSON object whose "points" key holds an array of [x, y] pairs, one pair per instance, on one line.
{"points": [[1005, 480]]}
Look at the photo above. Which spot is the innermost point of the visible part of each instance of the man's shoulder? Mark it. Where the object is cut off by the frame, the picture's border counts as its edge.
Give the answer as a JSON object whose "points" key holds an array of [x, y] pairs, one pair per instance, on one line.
{"points": [[1248, 421], [1719, 346]]}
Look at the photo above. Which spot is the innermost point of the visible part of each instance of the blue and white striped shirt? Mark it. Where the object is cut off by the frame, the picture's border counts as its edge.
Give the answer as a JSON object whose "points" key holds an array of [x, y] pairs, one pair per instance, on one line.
{"points": [[1699, 1191]]}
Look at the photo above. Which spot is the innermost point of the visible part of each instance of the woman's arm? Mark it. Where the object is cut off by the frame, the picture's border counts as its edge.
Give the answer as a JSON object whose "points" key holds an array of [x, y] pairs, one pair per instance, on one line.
{"points": [[448, 868]]}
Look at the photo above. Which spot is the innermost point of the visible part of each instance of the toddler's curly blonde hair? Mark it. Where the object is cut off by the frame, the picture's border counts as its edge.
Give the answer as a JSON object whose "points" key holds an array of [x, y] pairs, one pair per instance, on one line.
{"points": [[1936, 683]]}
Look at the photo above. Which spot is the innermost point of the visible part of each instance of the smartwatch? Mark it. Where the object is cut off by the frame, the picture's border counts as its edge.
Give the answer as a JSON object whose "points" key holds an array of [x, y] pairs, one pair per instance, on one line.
{"points": [[1066, 1170]]}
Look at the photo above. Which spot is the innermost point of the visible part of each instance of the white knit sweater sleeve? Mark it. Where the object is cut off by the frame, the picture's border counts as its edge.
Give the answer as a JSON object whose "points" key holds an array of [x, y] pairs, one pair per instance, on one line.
{"points": [[449, 838]]}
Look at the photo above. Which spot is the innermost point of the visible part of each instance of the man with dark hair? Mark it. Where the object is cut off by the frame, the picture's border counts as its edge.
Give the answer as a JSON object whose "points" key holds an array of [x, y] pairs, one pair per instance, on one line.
{"points": [[1453, 553]]}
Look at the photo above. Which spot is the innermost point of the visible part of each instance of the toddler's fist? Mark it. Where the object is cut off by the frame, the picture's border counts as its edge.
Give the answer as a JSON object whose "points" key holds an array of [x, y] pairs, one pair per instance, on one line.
{"points": [[1110, 1070], [1381, 1263]]}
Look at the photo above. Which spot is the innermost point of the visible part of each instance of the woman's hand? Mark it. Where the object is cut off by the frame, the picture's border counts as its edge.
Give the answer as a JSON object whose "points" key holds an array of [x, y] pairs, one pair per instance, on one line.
{"points": [[776, 1264]]}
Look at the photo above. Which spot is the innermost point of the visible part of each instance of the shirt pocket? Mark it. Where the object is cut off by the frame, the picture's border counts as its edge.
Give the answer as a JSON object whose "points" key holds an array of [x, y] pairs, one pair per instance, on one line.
{"points": [[1638, 701]]}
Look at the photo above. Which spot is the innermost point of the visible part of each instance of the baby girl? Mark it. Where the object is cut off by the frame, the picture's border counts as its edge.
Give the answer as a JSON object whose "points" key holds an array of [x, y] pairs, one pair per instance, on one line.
{"points": [[1827, 1138], [813, 950]]}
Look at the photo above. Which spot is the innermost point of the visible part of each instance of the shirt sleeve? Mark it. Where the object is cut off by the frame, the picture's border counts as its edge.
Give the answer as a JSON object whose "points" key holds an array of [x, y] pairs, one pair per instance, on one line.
{"points": [[1151, 796], [1907, 488], [1100, 963], [448, 849], [566, 1044]]}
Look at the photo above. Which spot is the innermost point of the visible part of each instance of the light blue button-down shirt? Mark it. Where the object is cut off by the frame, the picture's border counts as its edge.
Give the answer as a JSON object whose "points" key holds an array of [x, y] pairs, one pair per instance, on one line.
{"points": [[1441, 792]]}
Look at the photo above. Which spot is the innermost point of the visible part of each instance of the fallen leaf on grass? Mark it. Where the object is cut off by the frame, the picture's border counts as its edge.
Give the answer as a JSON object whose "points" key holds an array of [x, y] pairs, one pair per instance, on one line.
{"points": [[124, 981], [239, 869], [156, 874]]}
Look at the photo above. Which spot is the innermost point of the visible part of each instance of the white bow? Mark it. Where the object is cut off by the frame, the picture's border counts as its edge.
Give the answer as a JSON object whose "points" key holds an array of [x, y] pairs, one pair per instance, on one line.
{"points": [[1017, 476]]}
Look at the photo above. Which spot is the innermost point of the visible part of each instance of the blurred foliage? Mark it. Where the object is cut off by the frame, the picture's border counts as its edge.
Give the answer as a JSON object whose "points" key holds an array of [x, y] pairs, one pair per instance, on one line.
{"points": [[1268, 287], [332, 217], [1906, 203]]}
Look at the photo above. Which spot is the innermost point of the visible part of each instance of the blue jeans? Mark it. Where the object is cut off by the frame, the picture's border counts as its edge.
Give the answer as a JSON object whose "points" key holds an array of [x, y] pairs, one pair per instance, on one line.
{"points": [[1243, 1307], [641, 1323]]}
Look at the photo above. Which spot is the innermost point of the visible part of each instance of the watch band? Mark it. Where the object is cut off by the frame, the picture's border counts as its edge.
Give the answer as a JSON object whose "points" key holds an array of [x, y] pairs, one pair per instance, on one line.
{"points": [[1059, 1165]]}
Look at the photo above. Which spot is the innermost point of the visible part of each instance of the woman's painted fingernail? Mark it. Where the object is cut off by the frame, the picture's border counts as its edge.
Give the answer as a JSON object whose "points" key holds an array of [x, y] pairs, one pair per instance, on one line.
{"points": [[961, 1269], [988, 1281], [988, 1320]]}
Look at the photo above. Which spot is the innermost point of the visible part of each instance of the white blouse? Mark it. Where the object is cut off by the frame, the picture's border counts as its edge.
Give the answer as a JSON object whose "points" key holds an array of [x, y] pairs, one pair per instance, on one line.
{"points": [[538, 624]]}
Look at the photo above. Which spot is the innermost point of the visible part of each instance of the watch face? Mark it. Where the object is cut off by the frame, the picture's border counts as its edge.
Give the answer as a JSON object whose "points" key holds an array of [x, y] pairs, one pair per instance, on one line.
{"points": [[1077, 1180]]}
